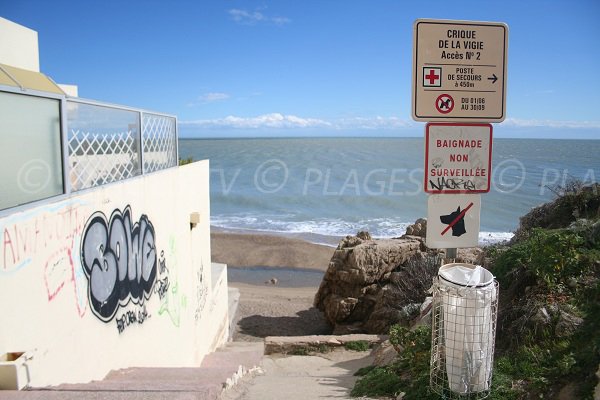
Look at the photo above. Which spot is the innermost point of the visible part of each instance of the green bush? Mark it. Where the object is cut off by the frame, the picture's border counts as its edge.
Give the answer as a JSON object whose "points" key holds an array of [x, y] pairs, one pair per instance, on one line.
{"points": [[552, 256], [379, 381], [409, 374], [538, 363], [184, 161], [357, 345]]}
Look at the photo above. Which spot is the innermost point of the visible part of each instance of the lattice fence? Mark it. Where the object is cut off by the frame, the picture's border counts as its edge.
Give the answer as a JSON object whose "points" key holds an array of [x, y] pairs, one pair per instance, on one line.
{"points": [[159, 142], [99, 158]]}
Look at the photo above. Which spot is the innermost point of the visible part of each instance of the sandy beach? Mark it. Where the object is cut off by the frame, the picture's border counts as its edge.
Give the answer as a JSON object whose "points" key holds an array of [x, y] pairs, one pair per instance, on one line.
{"points": [[273, 311], [267, 309], [251, 250]]}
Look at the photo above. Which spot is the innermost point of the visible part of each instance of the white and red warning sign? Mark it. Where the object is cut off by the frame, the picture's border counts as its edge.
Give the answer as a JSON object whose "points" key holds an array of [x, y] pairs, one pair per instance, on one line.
{"points": [[458, 158], [453, 221]]}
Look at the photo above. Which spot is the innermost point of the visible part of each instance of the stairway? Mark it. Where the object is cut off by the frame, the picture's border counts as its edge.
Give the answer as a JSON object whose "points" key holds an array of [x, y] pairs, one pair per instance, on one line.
{"points": [[218, 370]]}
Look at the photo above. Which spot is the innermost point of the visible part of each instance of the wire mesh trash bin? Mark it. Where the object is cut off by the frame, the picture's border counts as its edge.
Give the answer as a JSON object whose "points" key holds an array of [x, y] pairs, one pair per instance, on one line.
{"points": [[465, 309]]}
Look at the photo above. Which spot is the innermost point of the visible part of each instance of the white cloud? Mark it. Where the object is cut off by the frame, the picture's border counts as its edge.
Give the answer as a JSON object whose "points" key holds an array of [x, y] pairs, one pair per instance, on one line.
{"points": [[254, 17], [281, 121], [377, 122], [273, 120], [210, 98], [213, 96], [538, 123]]}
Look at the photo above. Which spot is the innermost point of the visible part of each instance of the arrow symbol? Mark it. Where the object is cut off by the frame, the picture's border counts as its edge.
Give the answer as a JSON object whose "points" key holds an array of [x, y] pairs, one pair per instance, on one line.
{"points": [[493, 78]]}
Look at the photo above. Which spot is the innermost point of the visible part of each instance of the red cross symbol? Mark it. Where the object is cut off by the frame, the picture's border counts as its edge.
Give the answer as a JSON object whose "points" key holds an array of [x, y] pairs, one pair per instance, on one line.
{"points": [[432, 76]]}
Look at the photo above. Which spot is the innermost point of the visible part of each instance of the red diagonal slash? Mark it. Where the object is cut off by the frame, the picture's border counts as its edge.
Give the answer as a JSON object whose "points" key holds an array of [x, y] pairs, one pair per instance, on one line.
{"points": [[462, 214]]}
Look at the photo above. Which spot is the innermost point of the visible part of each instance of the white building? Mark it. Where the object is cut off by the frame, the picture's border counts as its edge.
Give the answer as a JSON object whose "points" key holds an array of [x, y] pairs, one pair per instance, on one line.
{"points": [[105, 242]]}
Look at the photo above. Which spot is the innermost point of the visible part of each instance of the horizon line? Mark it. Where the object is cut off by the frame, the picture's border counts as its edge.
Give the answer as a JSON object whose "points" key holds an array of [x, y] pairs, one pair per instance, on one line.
{"points": [[360, 137]]}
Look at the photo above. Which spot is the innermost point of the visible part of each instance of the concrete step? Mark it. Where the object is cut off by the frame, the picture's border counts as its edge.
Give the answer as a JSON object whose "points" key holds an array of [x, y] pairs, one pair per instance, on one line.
{"points": [[218, 371], [95, 395], [315, 343]]}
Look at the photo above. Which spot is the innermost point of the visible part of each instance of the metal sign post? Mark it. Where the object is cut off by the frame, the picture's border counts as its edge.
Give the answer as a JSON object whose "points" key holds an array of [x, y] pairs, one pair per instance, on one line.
{"points": [[459, 86]]}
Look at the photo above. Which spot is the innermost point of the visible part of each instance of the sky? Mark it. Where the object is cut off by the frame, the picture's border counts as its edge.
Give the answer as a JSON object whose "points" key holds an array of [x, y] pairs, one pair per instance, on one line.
{"points": [[303, 68]]}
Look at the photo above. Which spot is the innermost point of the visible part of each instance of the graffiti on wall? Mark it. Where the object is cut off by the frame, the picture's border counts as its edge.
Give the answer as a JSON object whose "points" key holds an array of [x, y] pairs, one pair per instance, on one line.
{"points": [[119, 261], [28, 238], [27, 234], [131, 317], [172, 298], [201, 293]]}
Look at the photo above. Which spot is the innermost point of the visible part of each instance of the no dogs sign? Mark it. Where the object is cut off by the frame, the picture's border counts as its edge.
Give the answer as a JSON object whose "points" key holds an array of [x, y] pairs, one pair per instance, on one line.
{"points": [[453, 221]]}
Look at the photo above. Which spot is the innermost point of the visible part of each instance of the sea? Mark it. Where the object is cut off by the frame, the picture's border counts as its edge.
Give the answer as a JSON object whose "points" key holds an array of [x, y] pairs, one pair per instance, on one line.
{"points": [[322, 189]]}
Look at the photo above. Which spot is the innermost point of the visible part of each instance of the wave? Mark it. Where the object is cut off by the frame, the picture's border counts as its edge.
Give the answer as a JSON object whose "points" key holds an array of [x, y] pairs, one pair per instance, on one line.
{"points": [[328, 231]]}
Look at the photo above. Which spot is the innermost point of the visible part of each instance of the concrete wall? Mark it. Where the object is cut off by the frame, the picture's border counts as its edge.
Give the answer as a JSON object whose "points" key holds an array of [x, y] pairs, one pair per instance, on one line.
{"points": [[18, 46], [113, 278]]}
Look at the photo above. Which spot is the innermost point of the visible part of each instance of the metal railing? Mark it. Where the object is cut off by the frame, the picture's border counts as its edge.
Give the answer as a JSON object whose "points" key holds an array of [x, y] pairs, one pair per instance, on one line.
{"points": [[100, 143], [109, 143]]}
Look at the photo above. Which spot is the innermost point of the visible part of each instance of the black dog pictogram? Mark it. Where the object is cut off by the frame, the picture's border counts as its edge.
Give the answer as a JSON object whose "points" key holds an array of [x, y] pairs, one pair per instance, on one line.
{"points": [[458, 228], [445, 104]]}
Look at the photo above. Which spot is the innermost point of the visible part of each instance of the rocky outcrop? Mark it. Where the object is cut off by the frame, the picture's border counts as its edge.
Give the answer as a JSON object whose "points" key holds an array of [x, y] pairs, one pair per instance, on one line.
{"points": [[359, 270], [575, 202], [360, 287], [371, 284], [419, 228]]}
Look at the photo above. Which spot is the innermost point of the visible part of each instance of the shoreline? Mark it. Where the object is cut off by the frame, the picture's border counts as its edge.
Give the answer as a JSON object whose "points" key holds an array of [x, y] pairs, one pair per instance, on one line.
{"points": [[245, 250], [283, 308]]}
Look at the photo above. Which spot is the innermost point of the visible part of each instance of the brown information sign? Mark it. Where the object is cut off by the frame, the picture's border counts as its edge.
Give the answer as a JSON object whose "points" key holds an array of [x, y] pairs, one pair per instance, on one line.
{"points": [[459, 71]]}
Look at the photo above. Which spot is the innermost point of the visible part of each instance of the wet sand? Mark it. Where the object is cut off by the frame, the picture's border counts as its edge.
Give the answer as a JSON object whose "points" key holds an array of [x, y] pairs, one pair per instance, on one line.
{"points": [[271, 309], [258, 250]]}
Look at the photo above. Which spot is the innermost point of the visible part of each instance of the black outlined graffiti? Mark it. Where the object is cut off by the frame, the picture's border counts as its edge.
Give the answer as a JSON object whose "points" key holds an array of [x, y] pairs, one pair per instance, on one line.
{"points": [[130, 317], [162, 284], [452, 183], [119, 261]]}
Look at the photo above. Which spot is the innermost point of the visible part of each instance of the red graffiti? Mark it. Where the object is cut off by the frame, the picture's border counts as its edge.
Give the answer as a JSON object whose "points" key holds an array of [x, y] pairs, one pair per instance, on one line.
{"points": [[59, 271], [23, 239]]}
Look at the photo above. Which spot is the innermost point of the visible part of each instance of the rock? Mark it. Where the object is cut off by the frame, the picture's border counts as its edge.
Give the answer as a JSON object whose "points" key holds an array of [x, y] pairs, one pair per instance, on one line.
{"points": [[347, 329], [369, 283], [340, 308], [581, 202], [385, 354], [364, 235], [568, 392], [314, 343], [410, 311], [541, 317], [567, 324], [419, 228], [471, 255]]}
